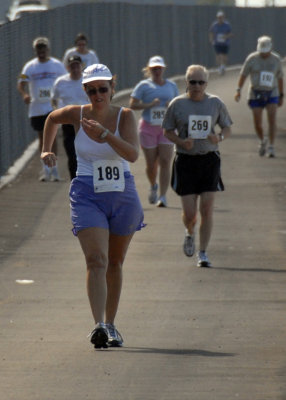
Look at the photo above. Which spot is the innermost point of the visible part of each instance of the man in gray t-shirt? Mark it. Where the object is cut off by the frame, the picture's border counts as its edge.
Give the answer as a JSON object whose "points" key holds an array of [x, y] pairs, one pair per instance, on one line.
{"points": [[190, 122], [265, 90]]}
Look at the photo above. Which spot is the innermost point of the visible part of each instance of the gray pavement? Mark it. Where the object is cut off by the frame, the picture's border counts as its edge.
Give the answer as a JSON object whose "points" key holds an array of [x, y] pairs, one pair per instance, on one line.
{"points": [[189, 333]]}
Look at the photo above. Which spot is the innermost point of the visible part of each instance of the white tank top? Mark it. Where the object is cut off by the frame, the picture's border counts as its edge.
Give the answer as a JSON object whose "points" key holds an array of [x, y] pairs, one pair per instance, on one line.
{"points": [[88, 151]]}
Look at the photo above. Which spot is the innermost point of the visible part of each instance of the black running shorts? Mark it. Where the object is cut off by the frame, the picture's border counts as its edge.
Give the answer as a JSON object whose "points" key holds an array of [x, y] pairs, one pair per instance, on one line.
{"points": [[38, 122], [196, 174]]}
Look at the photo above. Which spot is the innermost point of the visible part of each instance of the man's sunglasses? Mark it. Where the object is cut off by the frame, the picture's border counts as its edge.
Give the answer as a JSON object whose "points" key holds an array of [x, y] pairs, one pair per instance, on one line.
{"points": [[193, 82], [93, 91]]}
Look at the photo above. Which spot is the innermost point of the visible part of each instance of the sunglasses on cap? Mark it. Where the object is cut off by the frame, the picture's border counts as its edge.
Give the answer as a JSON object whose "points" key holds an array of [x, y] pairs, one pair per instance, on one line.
{"points": [[93, 91], [194, 82]]}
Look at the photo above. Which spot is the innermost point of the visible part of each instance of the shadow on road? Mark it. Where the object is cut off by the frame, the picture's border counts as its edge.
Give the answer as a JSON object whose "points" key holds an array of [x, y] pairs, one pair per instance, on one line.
{"points": [[176, 352]]}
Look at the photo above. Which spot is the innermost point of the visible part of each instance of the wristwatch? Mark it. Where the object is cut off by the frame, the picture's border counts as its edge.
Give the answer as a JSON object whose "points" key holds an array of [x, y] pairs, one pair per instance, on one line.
{"points": [[104, 134]]}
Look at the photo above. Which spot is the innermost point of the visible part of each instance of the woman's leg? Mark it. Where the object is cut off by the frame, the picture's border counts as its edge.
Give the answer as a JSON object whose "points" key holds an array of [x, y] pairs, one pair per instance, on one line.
{"points": [[206, 211], [166, 152], [118, 246], [151, 158], [189, 204], [94, 243]]}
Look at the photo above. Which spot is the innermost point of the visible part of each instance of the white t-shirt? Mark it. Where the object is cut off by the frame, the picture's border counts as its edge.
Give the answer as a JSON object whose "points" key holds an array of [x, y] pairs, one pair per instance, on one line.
{"points": [[69, 91], [41, 77], [87, 59]]}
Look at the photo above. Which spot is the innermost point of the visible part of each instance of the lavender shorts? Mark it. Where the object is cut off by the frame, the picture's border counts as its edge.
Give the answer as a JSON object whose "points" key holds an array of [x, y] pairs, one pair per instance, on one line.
{"points": [[119, 212], [151, 135]]}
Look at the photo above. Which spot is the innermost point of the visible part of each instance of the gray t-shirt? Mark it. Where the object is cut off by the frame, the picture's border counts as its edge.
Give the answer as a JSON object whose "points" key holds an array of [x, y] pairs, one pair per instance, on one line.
{"points": [[196, 119], [264, 73]]}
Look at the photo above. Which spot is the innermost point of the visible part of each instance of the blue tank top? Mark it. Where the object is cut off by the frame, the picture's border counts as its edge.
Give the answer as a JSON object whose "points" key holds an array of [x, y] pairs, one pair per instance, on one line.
{"points": [[88, 151]]}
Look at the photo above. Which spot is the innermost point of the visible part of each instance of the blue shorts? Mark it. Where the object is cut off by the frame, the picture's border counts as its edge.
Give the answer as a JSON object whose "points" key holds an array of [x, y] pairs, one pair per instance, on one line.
{"points": [[119, 212], [261, 103]]}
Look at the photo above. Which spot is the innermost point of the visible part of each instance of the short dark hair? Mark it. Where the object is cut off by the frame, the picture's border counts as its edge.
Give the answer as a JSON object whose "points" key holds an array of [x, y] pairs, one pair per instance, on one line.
{"points": [[80, 36]]}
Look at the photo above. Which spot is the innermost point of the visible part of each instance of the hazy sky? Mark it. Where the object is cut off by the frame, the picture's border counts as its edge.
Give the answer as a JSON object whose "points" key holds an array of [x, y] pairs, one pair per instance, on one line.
{"points": [[259, 3]]}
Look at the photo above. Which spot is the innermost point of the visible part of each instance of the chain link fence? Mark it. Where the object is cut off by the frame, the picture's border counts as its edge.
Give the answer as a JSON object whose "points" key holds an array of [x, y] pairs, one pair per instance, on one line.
{"points": [[124, 37]]}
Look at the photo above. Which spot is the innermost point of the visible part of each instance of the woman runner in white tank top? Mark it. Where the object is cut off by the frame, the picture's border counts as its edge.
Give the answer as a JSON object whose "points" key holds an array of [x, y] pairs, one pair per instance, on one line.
{"points": [[105, 207]]}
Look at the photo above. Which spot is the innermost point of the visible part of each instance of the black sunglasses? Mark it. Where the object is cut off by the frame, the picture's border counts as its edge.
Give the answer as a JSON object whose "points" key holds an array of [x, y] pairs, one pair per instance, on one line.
{"points": [[93, 91], [193, 82]]}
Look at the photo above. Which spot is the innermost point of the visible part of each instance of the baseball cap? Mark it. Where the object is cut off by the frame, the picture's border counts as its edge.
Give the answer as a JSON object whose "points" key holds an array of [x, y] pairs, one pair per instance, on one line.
{"points": [[74, 59], [264, 44], [41, 41], [96, 72], [156, 61], [220, 14]]}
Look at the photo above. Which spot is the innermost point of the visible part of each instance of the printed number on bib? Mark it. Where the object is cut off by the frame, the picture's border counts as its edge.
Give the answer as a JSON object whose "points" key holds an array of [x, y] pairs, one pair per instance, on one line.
{"points": [[199, 126], [157, 115], [266, 79], [108, 176], [44, 94], [220, 38]]}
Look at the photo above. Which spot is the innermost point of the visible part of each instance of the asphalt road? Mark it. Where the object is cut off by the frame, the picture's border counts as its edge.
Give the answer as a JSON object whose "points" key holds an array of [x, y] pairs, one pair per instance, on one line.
{"points": [[190, 333]]}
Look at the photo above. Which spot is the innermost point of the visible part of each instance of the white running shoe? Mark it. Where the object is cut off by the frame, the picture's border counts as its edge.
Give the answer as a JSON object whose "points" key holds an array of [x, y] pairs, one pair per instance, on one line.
{"points": [[99, 336], [45, 175], [189, 245], [153, 194], [203, 261], [162, 202], [114, 337], [262, 147], [270, 152], [55, 174]]}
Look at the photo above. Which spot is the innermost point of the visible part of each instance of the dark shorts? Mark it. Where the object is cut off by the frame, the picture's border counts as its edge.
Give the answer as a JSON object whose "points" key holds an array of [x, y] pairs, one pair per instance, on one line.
{"points": [[38, 122], [196, 174], [119, 212], [221, 48]]}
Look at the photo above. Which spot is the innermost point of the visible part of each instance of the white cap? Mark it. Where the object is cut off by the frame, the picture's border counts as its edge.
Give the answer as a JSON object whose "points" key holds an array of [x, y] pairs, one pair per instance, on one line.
{"points": [[96, 72], [220, 14], [264, 44], [156, 61]]}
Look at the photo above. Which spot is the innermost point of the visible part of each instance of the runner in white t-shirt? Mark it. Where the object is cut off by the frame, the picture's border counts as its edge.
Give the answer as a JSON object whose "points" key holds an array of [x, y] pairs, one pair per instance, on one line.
{"points": [[68, 90], [35, 84], [88, 56]]}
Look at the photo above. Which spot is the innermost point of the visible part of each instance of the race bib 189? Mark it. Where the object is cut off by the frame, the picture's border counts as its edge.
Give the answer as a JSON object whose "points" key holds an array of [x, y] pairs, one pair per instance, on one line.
{"points": [[199, 126], [108, 176], [157, 115]]}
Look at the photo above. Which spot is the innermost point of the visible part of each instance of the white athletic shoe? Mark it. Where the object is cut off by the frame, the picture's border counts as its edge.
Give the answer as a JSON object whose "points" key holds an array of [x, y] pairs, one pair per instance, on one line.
{"points": [[262, 147], [189, 245], [203, 261], [114, 337], [270, 152], [162, 202], [153, 194], [99, 336]]}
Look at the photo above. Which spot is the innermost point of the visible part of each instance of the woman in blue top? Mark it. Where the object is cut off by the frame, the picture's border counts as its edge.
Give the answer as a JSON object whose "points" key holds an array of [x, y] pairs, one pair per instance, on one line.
{"points": [[152, 95]]}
